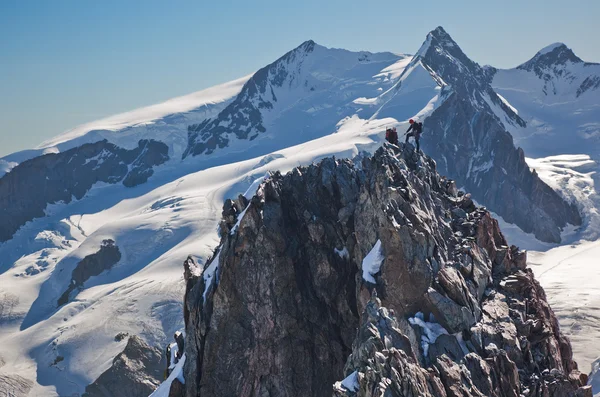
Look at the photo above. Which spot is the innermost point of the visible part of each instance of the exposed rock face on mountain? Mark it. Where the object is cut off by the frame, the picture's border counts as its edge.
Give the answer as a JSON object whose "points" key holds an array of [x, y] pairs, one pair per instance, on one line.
{"points": [[275, 311], [551, 63], [311, 83], [59, 177], [305, 94], [92, 265], [467, 135], [557, 94], [135, 372], [561, 71], [243, 117]]}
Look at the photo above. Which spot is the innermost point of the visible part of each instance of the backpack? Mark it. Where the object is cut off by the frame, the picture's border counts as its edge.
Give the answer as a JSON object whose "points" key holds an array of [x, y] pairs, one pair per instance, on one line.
{"points": [[419, 127], [391, 135]]}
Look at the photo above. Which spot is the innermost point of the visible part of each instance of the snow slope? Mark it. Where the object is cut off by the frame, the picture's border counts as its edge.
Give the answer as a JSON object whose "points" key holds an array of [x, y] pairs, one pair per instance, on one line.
{"points": [[166, 122], [558, 95]]}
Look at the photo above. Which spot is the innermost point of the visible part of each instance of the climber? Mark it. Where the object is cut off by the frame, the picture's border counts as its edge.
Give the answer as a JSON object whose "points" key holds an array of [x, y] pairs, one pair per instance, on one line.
{"points": [[391, 135], [179, 339], [168, 354], [414, 130]]}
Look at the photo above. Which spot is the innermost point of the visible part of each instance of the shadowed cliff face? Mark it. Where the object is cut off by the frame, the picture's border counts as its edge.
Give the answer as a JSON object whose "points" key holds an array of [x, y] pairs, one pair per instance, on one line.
{"points": [[276, 311], [29, 187], [471, 144], [92, 265]]}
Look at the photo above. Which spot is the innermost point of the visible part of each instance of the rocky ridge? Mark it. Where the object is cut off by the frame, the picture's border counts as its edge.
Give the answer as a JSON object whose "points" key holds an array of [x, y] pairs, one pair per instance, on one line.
{"points": [[449, 310], [28, 188], [467, 134]]}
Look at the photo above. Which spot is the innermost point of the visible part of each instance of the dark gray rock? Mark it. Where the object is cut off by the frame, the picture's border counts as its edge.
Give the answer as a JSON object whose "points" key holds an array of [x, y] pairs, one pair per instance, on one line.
{"points": [[480, 153], [29, 187], [92, 265], [448, 345], [279, 315], [177, 389], [135, 372], [243, 118]]}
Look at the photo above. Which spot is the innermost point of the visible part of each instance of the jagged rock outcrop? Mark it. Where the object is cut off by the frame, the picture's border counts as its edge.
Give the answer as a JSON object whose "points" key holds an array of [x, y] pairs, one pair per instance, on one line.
{"points": [[275, 311], [30, 186], [92, 265], [467, 135], [135, 372]]}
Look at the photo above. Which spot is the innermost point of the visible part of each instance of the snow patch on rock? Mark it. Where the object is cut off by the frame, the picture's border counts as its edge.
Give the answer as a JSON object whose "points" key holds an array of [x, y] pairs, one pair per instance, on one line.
{"points": [[372, 263]]}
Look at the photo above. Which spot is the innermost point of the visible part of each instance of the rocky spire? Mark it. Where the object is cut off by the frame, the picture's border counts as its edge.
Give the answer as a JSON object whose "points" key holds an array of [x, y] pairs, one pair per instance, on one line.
{"points": [[447, 307]]}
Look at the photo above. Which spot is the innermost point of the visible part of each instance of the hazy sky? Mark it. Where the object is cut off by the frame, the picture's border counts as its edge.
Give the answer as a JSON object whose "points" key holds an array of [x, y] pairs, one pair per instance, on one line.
{"points": [[63, 63]]}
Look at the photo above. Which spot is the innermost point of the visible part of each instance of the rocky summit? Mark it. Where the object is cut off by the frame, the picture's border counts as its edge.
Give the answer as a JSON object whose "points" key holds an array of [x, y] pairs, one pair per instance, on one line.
{"points": [[372, 277]]}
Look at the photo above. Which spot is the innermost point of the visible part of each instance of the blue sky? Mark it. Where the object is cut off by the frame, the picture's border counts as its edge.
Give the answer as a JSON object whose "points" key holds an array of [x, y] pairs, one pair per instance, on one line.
{"points": [[66, 62]]}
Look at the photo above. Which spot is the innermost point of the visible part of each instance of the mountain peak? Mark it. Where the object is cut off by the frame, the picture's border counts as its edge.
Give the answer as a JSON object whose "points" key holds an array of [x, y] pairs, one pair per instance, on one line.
{"points": [[442, 54], [549, 56], [440, 32], [440, 39], [551, 48], [307, 46]]}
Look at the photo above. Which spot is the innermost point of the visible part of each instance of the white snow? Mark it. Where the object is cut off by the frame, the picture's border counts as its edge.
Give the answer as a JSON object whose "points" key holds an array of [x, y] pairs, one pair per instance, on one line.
{"points": [[210, 274], [156, 226], [595, 377], [549, 48], [510, 125], [251, 191], [395, 70], [343, 253], [150, 114], [372, 263], [177, 373], [511, 107], [239, 220], [559, 119], [431, 330], [570, 275], [574, 178], [350, 383]]}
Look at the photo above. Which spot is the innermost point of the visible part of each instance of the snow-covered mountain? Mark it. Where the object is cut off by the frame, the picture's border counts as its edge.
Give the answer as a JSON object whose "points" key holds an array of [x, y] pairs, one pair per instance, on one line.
{"points": [[299, 97], [558, 95], [312, 103], [467, 133], [166, 122]]}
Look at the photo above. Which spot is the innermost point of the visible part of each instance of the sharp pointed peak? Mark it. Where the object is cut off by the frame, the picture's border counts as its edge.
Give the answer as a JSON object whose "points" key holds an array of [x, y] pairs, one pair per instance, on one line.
{"points": [[441, 35], [307, 46], [439, 31], [440, 38]]}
